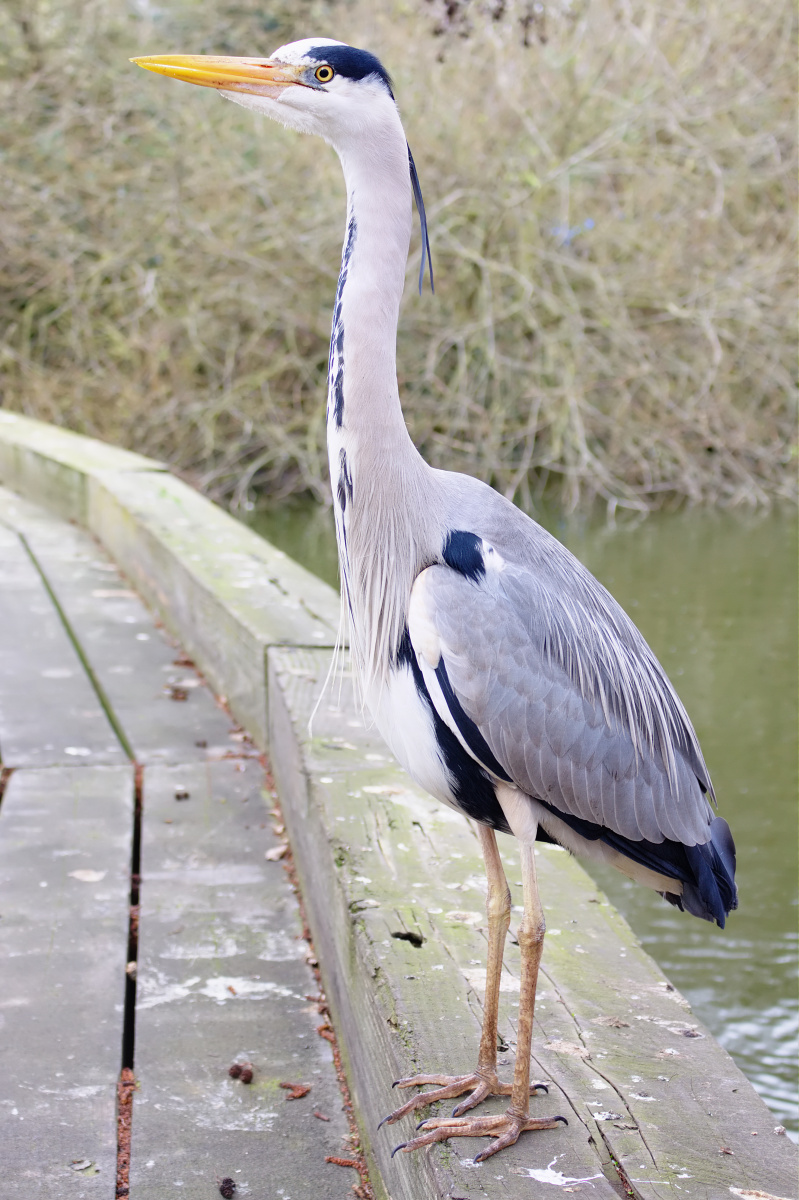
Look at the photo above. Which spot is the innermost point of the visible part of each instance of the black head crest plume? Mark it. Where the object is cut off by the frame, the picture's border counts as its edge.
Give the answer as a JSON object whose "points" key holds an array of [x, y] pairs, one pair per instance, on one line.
{"points": [[417, 195]]}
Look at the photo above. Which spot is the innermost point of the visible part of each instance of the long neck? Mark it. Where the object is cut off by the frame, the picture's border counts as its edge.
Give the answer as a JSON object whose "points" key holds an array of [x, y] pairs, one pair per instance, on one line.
{"points": [[364, 399], [379, 480]]}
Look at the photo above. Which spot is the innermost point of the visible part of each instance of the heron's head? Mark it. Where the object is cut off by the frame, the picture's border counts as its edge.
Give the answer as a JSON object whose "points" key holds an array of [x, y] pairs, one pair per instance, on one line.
{"points": [[315, 86]]}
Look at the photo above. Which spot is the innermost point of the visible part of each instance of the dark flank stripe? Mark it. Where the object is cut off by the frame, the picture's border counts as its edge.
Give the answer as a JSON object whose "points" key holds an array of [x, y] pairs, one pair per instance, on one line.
{"points": [[467, 728], [472, 787]]}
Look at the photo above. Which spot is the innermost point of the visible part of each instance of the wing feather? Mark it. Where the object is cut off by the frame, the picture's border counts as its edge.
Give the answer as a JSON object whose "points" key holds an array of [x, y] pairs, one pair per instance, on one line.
{"points": [[570, 700]]}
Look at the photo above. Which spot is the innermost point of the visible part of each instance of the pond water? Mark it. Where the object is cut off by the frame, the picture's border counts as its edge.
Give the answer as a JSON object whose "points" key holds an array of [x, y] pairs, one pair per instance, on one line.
{"points": [[715, 596]]}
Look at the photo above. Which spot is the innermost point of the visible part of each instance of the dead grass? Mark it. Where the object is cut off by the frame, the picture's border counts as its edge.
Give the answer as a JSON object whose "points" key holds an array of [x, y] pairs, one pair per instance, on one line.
{"points": [[612, 212]]}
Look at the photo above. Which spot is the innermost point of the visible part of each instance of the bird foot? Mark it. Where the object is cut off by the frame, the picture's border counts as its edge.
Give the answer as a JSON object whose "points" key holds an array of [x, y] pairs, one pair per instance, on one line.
{"points": [[504, 1128], [481, 1083]]}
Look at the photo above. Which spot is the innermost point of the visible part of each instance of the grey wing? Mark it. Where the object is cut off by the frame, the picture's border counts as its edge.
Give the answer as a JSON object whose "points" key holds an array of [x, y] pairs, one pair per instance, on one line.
{"points": [[564, 692]]}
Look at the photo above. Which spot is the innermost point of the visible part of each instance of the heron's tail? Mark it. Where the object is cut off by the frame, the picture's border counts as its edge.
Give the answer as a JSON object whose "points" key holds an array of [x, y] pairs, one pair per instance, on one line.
{"points": [[712, 893]]}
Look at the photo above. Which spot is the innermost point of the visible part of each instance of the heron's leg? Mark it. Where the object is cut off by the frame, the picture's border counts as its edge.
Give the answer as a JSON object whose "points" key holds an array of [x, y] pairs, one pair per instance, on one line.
{"points": [[531, 946], [498, 912], [506, 1127], [483, 1081]]}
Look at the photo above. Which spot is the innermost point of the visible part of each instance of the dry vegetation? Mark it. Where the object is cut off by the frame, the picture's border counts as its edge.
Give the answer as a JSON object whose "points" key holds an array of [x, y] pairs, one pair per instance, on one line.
{"points": [[610, 188]]}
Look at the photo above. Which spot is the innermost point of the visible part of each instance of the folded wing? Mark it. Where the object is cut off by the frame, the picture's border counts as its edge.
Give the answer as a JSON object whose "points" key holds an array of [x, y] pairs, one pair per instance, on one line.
{"points": [[555, 690]]}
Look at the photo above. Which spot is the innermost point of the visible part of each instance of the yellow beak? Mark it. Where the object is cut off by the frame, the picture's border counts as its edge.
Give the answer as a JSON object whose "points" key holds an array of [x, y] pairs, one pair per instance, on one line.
{"points": [[257, 75]]}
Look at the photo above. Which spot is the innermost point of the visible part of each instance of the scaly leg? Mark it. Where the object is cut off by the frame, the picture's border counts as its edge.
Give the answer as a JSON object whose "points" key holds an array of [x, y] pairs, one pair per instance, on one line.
{"points": [[506, 1127], [483, 1081]]}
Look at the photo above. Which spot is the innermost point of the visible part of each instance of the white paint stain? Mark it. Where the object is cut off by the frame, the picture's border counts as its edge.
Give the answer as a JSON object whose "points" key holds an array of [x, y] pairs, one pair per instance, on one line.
{"points": [[224, 987], [555, 1178], [157, 989], [224, 948]]}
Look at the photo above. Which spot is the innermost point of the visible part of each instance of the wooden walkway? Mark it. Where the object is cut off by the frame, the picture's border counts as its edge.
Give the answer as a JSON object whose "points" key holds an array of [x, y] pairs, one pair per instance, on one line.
{"points": [[118, 763], [112, 749]]}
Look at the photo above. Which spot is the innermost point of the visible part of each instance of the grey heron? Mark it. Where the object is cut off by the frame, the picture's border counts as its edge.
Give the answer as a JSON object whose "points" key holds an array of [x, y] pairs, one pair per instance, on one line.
{"points": [[502, 675]]}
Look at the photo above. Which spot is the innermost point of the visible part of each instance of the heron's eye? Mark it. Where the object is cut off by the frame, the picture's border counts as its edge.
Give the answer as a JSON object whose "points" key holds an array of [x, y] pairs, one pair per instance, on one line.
{"points": [[324, 74]]}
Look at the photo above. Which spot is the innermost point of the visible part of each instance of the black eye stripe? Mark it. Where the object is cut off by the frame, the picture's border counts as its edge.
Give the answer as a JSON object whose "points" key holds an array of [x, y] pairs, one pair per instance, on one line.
{"points": [[350, 62]]}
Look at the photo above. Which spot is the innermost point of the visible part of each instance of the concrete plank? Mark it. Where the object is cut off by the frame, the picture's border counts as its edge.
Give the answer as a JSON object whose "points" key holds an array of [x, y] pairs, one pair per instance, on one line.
{"points": [[138, 669], [49, 711], [641, 1081], [222, 977], [65, 852]]}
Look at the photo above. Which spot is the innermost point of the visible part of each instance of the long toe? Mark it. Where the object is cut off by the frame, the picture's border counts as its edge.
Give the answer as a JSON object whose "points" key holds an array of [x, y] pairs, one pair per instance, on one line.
{"points": [[480, 1093], [446, 1087], [453, 1085], [504, 1128], [425, 1080], [510, 1134]]}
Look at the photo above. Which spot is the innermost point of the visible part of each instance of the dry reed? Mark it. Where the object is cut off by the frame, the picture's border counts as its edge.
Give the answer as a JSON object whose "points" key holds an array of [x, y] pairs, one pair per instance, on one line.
{"points": [[610, 189]]}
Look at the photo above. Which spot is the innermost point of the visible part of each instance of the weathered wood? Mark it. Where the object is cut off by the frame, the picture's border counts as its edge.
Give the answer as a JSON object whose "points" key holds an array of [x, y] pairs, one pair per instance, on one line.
{"points": [[638, 1077], [51, 465], [399, 1005], [49, 712], [222, 977], [65, 846], [223, 590], [138, 669]]}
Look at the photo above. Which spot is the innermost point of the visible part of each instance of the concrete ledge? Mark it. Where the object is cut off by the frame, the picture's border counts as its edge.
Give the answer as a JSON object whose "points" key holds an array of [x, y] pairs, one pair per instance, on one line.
{"points": [[394, 882]]}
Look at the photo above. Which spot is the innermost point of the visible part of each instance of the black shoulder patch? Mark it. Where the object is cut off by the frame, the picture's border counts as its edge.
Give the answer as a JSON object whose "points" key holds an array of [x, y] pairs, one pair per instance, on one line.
{"points": [[462, 551], [352, 63]]}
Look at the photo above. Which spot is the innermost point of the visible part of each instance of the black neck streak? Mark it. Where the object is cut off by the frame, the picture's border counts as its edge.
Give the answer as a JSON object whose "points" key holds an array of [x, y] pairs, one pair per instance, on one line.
{"points": [[335, 367]]}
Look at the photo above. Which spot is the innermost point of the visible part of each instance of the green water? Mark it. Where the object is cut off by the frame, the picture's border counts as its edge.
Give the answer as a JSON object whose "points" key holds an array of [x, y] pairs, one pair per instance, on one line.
{"points": [[715, 596]]}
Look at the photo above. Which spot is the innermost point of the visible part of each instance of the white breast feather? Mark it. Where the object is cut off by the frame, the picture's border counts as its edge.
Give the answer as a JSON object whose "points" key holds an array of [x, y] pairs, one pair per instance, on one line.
{"points": [[406, 723]]}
